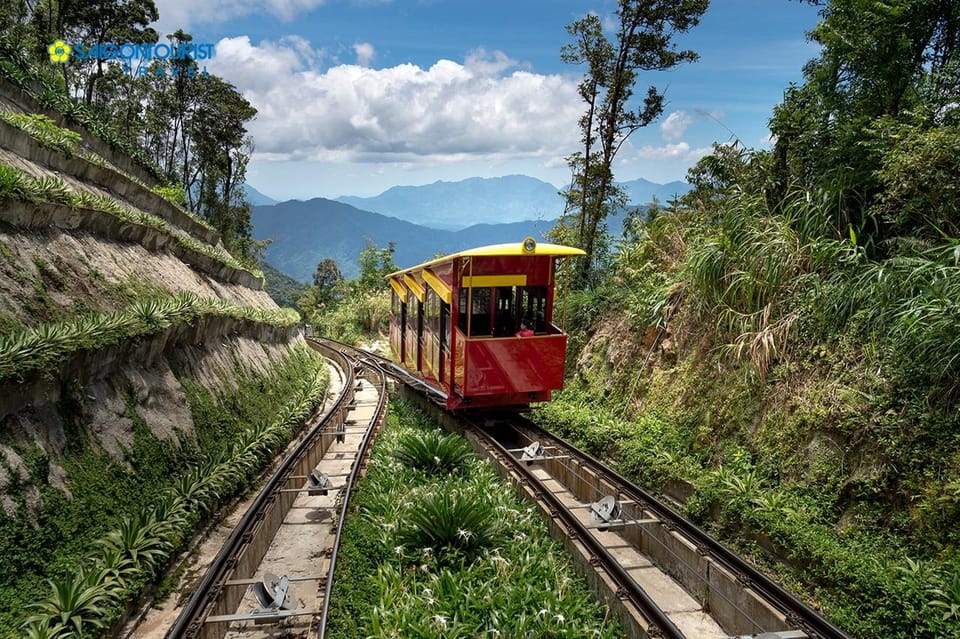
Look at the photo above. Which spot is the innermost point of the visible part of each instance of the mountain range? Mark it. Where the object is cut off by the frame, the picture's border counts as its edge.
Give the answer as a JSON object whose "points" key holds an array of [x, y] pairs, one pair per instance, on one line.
{"points": [[511, 198], [421, 221]]}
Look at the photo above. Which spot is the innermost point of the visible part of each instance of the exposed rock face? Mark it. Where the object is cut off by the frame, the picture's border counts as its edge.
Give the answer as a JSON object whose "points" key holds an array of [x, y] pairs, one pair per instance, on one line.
{"points": [[57, 263]]}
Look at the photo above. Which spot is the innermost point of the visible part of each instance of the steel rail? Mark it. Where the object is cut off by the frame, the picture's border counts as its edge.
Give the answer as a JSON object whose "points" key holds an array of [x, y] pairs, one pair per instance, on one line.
{"points": [[375, 423], [660, 624], [190, 622], [795, 610]]}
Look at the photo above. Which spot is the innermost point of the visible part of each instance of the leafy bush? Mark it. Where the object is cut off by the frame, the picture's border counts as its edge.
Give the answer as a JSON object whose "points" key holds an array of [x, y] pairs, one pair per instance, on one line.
{"points": [[433, 452], [455, 526]]}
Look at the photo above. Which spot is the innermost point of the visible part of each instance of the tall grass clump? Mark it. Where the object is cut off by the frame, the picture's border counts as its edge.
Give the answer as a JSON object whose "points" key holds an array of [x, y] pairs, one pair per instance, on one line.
{"points": [[751, 272]]}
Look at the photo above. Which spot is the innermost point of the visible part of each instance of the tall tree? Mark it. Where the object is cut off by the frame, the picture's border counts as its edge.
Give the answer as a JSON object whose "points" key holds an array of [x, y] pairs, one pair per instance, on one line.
{"points": [[642, 42], [883, 66]]}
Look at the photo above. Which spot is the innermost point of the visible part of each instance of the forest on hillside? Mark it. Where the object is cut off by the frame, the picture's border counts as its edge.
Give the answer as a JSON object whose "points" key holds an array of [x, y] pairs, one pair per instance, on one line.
{"points": [[793, 355], [184, 126]]}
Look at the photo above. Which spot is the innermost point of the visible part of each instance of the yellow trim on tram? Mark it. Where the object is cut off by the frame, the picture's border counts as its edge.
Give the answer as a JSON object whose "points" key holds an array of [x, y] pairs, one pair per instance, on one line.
{"points": [[414, 286], [506, 250], [484, 281], [399, 289], [439, 286]]}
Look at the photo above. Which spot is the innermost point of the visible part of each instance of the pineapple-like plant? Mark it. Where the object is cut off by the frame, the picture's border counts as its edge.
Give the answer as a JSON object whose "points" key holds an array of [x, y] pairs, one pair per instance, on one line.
{"points": [[433, 452]]}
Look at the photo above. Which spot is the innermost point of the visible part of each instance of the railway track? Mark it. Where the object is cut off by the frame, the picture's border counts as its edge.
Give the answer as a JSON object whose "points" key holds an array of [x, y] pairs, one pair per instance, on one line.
{"points": [[672, 579], [663, 576], [240, 594], [660, 574]]}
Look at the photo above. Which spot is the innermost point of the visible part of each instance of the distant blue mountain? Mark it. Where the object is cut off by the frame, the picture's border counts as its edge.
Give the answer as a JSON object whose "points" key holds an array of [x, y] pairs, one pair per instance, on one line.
{"points": [[256, 198], [304, 233], [643, 191], [512, 198], [457, 205]]}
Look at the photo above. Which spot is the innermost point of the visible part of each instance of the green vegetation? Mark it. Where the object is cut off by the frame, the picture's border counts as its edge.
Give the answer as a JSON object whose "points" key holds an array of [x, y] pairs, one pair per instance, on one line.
{"points": [[43, 347], [17, 185], [283, 289], [795, 343], [451, 553], [123, 520], [351, 310], [45, 132]]}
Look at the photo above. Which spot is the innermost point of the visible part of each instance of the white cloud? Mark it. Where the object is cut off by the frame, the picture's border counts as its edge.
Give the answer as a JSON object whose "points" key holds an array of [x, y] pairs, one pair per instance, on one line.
{"points": [[481, 62], [678, 151], [365, 53], [675, 125], [448, 112]]}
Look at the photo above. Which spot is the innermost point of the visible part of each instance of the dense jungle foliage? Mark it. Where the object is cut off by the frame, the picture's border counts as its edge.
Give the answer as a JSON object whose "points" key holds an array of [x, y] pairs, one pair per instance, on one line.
{"points": [[795, 367], [184, 125]]}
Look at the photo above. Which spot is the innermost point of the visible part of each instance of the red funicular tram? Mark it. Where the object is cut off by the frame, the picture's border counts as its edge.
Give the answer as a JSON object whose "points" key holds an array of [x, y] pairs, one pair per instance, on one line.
{"points": [[479, 325]]}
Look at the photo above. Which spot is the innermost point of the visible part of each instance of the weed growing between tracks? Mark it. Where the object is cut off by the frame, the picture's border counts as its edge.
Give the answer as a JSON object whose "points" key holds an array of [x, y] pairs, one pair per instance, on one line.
{"points": [[491, 569]]}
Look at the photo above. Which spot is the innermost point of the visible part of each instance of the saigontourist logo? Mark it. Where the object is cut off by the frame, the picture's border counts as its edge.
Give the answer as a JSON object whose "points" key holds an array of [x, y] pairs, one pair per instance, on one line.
{"points": [[136, 57], [59, 51]]}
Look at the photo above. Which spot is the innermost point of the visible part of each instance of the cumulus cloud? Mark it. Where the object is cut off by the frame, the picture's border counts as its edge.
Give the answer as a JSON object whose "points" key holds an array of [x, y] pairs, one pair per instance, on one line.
{"points": [[365, 52], [449, 111], [678, 151], [675, 125]]}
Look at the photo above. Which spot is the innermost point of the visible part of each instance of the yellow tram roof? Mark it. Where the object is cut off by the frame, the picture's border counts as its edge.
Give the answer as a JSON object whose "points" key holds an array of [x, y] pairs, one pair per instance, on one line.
{"points": [[497, 250]]}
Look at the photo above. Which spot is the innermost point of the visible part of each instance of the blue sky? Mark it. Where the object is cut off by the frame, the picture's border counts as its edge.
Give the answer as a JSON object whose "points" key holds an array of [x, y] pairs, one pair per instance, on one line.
{"points": [[355, 96]]}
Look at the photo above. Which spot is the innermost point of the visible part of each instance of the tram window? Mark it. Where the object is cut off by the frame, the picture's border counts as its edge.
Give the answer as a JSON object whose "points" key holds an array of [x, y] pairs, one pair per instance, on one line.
{"points": [[444, 324], [462, 310], [432, 311], [480, 314], [533, 306], [505, 316]]}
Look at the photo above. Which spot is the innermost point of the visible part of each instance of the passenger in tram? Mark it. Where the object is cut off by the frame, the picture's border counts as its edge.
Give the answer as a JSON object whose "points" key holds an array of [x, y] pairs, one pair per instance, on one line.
{"points": [[524, 331]]}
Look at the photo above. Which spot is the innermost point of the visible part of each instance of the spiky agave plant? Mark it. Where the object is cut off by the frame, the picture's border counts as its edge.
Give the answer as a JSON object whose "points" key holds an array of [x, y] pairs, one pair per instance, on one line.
{"points": [[433, 452], [74, 604], [456, 525]]}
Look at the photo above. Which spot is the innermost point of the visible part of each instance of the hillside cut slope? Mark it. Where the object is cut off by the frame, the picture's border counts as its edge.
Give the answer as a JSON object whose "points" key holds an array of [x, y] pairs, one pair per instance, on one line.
{"points": [[134, 351]]}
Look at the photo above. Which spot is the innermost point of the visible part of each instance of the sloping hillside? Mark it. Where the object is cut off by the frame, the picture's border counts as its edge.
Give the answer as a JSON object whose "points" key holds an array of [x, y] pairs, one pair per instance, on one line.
{"points": [[135, 350]]}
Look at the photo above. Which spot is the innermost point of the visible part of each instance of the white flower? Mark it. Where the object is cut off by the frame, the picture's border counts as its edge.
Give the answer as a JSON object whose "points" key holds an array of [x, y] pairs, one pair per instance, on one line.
{"points": [[542, 612], [464, 534], [441, 620], [558, 618], [398, 550]]}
